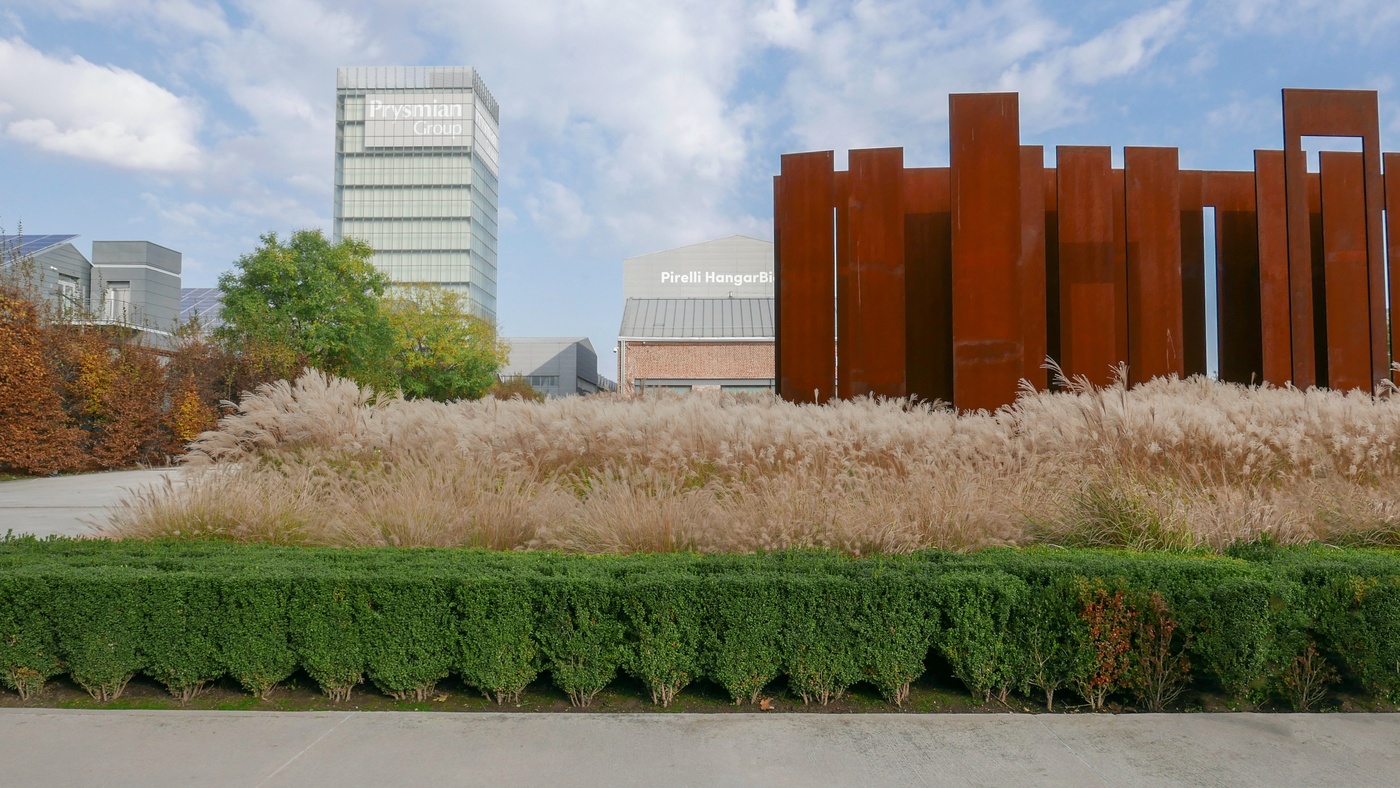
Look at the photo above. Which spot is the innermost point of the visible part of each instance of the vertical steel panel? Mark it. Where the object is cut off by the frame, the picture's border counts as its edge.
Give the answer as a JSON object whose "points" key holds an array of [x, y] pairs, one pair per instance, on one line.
{"points": [[986, 201], [1153, 227], [1318, 259], [1031, 271], [1392, 234], [1120, 267], [1052, 264], [1334, 113], [1088, 300], [1275, 319], [777, 277], [846, 314], [1193, 272], [806, 278], [873, 354], [1238, 320], [928, 284], [1344, 250]]}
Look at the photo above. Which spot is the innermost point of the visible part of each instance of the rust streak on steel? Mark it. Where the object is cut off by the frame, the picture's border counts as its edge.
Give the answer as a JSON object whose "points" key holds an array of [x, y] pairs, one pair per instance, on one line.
{"points": [[1271, 213], [1088, 305], [1392, 233], [1344, 250], [1332, 113], [873, 353], [928, 284], [1238, 322], [1153, 227], [1193, 272], [1031, 269], [1052, 264], [806, 284], [985, 182]]}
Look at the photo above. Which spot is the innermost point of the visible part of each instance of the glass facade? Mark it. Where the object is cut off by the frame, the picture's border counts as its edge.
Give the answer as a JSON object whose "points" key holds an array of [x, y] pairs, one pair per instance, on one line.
{"points": [[416, 175]]}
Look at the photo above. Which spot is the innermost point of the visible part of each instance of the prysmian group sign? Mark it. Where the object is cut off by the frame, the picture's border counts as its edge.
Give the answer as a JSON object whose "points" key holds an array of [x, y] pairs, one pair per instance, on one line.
{"points": [[417, 120]]}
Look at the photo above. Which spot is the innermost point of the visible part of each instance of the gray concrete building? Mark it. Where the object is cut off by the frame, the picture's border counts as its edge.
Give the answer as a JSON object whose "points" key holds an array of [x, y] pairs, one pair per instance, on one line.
{"points": [[130, 285], [556, 366], [417, 175]]}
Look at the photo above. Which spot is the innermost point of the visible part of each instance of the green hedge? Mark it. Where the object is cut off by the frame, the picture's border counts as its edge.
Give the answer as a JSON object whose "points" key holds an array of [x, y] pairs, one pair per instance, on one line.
{"points": [[1262, 623]]}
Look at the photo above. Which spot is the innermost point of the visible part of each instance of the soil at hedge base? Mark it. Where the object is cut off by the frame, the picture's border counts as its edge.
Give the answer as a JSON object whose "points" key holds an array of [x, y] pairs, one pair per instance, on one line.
{"points": [[624, 696]]}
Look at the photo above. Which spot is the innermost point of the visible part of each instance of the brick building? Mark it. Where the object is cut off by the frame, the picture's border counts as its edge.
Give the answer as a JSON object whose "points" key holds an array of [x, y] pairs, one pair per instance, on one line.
{"points": [[699, 317]]}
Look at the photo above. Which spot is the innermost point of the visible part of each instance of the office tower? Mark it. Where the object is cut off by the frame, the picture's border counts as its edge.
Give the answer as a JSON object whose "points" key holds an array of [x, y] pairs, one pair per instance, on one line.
{"points": [[416, 175]]}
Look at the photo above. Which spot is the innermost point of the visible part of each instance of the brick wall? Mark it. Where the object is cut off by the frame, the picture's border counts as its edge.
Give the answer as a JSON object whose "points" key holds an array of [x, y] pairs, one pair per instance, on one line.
{"points": [[704, 360]]}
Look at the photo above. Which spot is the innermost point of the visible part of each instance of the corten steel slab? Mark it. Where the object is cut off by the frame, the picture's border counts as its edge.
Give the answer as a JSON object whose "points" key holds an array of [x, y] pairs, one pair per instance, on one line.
{"points": [[1274, 315], [1088, 294], [1031, 271], [1331, 113], [777, 271], [845, 318], [1319, 279], [806, 273], [1153, 226], [988, 350], [871, 357], [928, 284], [1052, 265], [1236, 275], [1344, 250], [1120, 264], [1392, 234], [1193, 272]]}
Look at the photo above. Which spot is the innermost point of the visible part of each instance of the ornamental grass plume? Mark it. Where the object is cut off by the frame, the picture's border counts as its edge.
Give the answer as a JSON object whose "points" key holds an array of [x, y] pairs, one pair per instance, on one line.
{"points": [[1167, 465]]}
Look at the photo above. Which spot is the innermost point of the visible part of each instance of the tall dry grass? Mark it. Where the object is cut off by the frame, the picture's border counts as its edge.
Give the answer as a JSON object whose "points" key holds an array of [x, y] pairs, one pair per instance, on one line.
{"points": [[1172, 464]]}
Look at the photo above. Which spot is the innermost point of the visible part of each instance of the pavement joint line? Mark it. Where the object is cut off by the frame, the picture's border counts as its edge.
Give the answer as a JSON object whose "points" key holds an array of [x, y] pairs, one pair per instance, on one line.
{"points": [[1072, 751], [331, 730]]}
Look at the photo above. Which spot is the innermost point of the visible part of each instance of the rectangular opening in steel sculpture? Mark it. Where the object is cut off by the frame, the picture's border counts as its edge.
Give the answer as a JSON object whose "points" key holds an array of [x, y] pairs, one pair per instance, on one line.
{"points": [[956, 283]]}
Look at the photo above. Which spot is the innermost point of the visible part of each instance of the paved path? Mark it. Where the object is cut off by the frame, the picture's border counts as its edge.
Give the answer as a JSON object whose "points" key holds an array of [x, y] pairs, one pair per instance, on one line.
{"points": [[157, 748], [66, 505]]}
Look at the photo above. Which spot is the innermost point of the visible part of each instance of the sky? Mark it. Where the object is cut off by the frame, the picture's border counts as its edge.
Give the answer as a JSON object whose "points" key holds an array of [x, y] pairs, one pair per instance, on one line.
{"points": [[627, 126]]}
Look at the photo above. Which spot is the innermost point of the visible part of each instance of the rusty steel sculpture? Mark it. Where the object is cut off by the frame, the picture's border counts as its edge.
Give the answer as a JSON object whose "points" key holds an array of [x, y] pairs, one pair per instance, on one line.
{"points": [[955, 283]]}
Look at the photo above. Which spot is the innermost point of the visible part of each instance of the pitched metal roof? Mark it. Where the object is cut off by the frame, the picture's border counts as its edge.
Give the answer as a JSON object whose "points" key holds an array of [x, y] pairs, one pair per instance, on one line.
{"points": [[697, 318], [207, 302]]}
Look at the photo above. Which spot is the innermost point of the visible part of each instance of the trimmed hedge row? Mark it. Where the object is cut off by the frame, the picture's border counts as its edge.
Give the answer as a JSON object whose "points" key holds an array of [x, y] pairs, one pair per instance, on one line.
{"points": [[1261, 623]]}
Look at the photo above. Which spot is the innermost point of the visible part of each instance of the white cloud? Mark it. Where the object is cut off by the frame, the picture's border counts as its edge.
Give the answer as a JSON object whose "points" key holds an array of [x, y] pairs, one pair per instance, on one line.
{"points": [[878, 72], [1365, 18], [558, 208], [101, 113], [630, 105], [197, 17], [1048, 84]]}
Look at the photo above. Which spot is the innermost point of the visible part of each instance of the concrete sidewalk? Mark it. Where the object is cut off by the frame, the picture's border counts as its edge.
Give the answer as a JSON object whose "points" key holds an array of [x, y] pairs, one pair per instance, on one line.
{"points": [[65, 505], [157, 748]]}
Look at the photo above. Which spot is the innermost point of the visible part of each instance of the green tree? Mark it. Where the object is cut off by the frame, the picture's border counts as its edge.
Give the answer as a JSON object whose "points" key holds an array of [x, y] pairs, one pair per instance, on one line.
{"points": [[441, 350], [307, 301]]}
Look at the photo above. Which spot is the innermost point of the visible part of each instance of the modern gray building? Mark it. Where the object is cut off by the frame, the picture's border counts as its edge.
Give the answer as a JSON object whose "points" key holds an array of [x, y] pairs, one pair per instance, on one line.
{"points": [[699, 317], [132, 285], [417, 175], [557, 366]]}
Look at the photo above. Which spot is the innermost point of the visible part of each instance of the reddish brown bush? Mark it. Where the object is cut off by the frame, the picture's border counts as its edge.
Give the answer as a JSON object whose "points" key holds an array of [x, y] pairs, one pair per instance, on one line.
{"points": [[1109, 623], [36, 434]]}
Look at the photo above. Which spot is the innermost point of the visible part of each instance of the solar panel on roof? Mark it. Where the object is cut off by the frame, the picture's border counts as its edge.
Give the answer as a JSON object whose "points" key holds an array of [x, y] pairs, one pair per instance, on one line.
{"points": [[27, 245], [207, 302]]}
